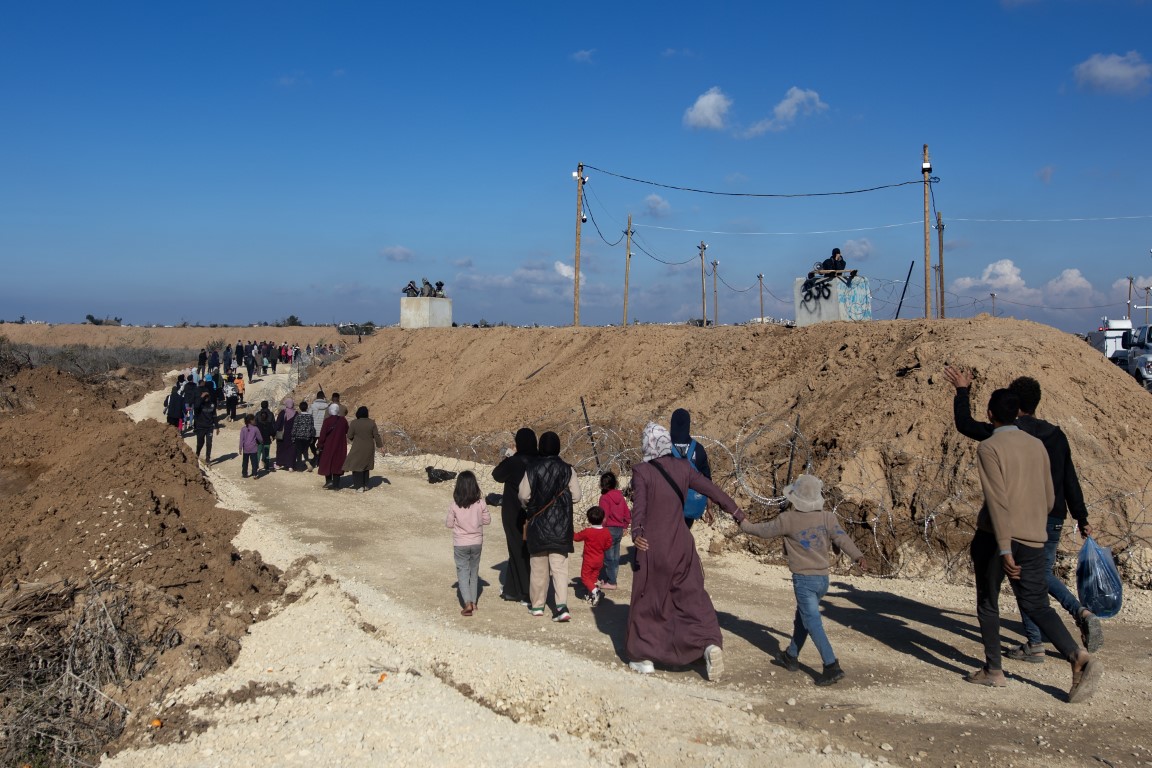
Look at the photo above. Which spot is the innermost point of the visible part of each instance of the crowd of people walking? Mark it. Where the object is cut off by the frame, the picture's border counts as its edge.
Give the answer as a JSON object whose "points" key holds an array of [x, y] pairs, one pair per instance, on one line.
{"points": [[1025, 470]]}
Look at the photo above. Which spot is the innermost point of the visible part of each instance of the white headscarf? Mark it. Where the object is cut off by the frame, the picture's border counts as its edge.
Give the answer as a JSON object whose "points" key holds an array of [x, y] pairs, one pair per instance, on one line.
{"points": [[334, 409], [655, 441]]}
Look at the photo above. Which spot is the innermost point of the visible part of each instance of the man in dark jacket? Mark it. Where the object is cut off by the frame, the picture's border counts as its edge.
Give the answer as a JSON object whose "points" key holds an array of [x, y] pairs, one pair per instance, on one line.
{"points": [[202, 362], [205, 424], [548, 491], [834, 262], [1069, 497], [511, 471]]}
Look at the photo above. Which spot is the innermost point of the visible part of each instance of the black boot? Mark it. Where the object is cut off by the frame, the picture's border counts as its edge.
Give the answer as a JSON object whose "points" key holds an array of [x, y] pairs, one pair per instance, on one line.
{"points": [[831, 675]]}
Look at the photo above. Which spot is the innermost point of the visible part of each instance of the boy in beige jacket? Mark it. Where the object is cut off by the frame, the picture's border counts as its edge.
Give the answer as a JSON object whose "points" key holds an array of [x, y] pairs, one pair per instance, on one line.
{"points": [[808, 533]]}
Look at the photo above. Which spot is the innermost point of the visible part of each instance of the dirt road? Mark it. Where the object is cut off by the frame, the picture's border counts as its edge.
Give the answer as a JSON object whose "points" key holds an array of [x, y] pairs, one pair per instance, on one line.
{"points": [[903, 644]]}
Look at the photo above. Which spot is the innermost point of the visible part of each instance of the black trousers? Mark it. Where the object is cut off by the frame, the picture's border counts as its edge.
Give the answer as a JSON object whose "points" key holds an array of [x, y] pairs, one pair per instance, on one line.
{"points": [[204, 439], [516, 575], [1031, 591]]}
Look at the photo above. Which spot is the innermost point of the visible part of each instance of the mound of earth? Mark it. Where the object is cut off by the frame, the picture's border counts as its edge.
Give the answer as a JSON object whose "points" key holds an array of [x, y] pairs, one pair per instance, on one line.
{"points": [[863, 405], [115, 563]]}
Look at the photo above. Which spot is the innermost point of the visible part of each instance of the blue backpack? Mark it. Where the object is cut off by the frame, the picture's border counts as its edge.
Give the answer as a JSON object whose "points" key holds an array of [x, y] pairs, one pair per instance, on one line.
{"points": [[694, 502]]}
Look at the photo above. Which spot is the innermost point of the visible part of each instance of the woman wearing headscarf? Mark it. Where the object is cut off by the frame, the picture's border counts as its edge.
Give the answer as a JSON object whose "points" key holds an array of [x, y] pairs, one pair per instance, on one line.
{"points": [[511, 471], [671, 619], [285, 445], [365, 438], [333, 445], [548, 491]]}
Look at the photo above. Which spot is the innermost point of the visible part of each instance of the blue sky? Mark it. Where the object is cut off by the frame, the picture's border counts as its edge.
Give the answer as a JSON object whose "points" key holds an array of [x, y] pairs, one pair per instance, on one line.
{"points": [[240, 162]]}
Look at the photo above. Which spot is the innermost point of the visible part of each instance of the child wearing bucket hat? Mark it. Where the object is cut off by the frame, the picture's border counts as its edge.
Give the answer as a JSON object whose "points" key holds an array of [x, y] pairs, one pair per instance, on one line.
{"points": [[808, 532]]}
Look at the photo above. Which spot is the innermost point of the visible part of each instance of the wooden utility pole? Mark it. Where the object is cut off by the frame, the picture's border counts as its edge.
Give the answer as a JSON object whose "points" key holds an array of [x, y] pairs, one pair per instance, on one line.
{"points": [[1147, 290], [993, 304], [1130, 280], [760, 277], [926, 169], [627, 266], [940, 272], [579, 176], [715, 296], [703, 294]]}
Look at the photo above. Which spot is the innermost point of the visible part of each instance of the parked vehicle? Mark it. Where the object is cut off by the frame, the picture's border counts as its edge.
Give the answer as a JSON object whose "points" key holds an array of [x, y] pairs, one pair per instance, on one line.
{"points": [[1139, 347], [1108, 339]]}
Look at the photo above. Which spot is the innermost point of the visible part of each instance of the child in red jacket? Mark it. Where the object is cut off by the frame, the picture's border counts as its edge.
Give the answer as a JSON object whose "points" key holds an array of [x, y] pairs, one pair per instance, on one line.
{"points": [[596, 540]]}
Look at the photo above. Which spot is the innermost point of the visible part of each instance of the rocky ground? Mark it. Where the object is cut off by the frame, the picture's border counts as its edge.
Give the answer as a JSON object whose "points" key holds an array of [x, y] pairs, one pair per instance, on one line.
{"points": [[341, 641]]}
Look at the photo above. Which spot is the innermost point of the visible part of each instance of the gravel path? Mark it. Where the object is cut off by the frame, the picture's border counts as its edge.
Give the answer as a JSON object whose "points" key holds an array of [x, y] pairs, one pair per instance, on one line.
{"points": [[367, 661]]}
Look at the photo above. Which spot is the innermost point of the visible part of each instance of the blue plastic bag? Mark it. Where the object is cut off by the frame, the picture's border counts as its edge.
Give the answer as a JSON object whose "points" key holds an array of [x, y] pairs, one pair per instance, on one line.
{"points": [[1098, 581]]}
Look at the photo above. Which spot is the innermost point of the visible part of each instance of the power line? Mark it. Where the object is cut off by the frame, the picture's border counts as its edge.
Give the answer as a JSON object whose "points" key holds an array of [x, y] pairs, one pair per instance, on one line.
{"points": [[1055, 221], [813, 232], [584, 207], [736, 290], [678, 188]]}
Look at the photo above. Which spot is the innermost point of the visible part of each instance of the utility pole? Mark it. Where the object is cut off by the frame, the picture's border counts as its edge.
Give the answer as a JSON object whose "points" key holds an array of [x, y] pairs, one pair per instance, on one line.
{"points": [[578, 174], [940, 272], [993, 304], [926, 169], [1147, 290], [1130, 280], [715, 296], [703, 295], [627, 266], [760, 277]]}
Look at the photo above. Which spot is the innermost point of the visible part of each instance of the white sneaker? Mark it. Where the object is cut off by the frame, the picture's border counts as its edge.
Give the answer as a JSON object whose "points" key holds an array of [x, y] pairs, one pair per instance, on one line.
{"points": [[643, 667], [713, 662]]}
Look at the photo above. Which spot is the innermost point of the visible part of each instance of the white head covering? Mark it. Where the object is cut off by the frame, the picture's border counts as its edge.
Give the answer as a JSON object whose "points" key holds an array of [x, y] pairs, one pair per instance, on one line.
{"points": [[655, 441], [334, 409], [805, 493]]}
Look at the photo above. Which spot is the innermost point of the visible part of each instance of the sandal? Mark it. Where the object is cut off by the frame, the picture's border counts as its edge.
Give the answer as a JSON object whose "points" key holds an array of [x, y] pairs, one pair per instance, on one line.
{"points": [[1033, 654], [1084, 681], [466, 610], [983, 677]]}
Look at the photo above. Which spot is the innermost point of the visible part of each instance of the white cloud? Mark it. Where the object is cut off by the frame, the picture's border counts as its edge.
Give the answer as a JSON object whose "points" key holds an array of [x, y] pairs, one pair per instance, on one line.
{"points": [[296, 79], [567, 271], [585, 56], [1113, 73], [709, 112], [796, 103], [397, 253], [856, 250], [462, 263], [1002, 277], [1045, 174], [1070, 283], [656, 206]]}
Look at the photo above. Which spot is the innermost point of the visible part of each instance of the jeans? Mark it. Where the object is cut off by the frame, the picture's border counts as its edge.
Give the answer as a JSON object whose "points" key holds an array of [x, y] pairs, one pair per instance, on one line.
{"points": [[1031, 591], [262, 455], [612, 556], [1056, 587], [807, 623], [253, 459], [467, 571]]}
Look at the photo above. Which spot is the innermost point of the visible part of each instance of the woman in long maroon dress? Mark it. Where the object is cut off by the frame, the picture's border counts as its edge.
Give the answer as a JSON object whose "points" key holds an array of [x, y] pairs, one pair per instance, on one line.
{"points": [[671, 619], [333, 445]]}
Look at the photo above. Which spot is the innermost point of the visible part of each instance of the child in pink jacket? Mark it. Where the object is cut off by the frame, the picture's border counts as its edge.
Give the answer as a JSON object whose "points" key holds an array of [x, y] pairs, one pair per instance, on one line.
{"points": [[467, 517]]}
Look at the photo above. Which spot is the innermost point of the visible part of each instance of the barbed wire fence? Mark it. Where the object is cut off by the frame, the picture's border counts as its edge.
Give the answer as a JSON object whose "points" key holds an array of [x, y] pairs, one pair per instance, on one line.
{"points": [[912, 514]]}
